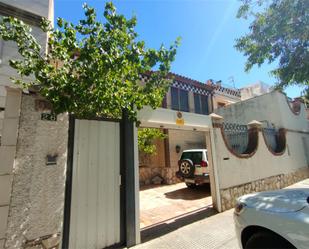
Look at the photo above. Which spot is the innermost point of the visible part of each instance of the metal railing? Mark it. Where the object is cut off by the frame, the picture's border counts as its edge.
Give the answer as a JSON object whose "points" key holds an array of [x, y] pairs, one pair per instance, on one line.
{"points": [[237, 136], [271, 138]]}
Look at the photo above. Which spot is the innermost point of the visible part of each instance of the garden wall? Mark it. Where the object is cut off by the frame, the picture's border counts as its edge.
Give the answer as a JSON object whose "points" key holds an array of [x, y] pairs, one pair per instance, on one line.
{"points": [[261, 169], [38, 178]]}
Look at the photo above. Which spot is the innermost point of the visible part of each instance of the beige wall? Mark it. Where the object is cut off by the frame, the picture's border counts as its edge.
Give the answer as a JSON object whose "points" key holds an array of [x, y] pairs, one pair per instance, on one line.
{"points": [[36, 204], [155, 160], [222, 99], [254, 90], [186, 140]]}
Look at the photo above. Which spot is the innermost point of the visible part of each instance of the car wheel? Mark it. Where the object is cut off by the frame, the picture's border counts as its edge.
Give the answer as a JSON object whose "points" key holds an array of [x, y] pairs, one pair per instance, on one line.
{"points": [[186, 168], [267, 240], [191, 185]]}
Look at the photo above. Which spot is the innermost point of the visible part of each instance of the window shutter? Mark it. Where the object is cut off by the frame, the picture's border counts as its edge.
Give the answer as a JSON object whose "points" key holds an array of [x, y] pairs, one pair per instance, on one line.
{"points": [[184, 101], [197, 103], [175, 98], [204, 100]]}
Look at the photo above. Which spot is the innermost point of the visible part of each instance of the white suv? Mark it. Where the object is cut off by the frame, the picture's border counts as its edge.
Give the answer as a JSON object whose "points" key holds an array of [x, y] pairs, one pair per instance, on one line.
{"points": [[193, 167]]}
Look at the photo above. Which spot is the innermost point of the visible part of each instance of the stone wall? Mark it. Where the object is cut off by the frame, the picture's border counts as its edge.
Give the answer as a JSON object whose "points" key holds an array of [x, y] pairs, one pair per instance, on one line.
{"points": [[37, 198], [151, 165], [168, 175], [229, 195]]}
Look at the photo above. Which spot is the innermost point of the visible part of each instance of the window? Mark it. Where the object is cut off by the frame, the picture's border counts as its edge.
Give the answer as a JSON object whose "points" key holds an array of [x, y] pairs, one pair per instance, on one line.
{"points": [[195, 157], [201, 104], [197, 103], [180, 101]]}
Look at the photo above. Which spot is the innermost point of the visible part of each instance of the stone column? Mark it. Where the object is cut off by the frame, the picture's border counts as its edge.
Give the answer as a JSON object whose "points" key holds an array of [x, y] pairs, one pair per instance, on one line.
{"points": [[217, 120], [253, 132], [7, 155], [212, 160], [255, 124]]}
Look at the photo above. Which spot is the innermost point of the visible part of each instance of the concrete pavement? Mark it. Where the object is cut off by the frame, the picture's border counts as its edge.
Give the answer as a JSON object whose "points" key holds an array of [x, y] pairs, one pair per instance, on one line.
{"points": [[203, 228], [211, 230], [175, 216]]}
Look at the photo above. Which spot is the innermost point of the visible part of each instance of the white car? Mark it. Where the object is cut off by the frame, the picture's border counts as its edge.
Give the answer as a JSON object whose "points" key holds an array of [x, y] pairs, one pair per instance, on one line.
{"points": [[193, 167], [276, 219]]}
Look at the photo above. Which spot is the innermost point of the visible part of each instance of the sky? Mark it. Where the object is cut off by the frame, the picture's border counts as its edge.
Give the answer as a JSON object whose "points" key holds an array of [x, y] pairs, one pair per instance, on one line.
{"points": [[208, 30]]}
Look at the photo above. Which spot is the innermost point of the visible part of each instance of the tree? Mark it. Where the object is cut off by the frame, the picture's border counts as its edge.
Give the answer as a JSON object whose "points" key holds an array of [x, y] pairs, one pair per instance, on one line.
{"points": [[279, 32], [101, 64], [146, 137]]}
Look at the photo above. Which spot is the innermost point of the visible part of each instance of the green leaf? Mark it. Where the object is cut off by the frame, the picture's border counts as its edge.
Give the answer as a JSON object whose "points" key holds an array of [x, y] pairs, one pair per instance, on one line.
{"points": [[279, 32], [92, 68]]}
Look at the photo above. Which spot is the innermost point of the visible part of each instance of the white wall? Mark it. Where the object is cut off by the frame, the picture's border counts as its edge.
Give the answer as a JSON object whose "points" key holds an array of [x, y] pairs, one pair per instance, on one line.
{"points": [[272, 107], [9, 49], [262, 164]]}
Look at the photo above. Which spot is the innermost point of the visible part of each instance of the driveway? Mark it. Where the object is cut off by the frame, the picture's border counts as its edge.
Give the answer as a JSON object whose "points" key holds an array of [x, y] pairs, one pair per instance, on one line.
{"points": [[161, 204], [174, 216]]}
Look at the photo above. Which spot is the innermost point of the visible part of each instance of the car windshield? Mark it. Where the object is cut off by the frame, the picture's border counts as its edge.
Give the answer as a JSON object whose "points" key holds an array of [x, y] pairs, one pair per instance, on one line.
{"points": [[195, 157]]}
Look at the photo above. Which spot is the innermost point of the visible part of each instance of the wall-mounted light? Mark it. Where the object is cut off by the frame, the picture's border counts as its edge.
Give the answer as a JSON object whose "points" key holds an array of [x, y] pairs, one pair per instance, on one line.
{"points": [[177, 148]]}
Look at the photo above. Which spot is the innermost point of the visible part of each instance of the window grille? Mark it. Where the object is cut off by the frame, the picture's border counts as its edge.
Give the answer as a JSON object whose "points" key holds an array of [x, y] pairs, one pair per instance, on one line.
{"points": [[271, 138], [237, 136]]}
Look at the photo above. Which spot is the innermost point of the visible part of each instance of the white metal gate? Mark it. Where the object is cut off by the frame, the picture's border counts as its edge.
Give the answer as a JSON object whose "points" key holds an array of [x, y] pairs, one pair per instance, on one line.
{"points": [[95, 203]]}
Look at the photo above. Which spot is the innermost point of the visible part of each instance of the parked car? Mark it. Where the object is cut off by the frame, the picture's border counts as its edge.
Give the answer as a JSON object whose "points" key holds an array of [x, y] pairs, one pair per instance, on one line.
{"points": [[276, 219], [193, 167]]}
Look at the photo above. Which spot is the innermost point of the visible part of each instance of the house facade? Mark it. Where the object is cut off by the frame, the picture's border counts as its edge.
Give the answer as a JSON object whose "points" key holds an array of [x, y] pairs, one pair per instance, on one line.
{"points": [[224, 96], [253, 90], [184, 95]]}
